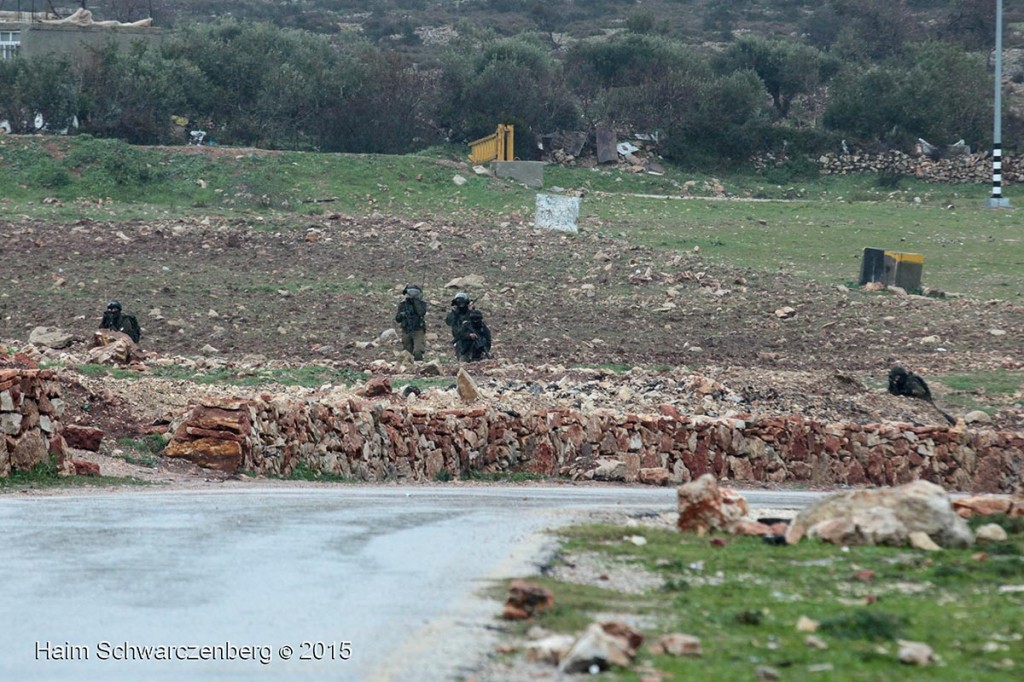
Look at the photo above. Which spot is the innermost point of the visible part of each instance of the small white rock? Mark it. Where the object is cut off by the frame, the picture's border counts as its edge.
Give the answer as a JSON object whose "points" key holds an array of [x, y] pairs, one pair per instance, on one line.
{"points": [[990, 532]]}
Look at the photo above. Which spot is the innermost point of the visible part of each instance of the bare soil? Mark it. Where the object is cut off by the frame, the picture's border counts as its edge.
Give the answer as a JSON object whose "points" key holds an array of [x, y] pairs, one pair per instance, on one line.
{"points": [[565, 312]]}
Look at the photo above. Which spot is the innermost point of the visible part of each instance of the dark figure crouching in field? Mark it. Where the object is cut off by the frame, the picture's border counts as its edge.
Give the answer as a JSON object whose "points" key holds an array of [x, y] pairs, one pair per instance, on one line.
{"points": [[902, 382], [126, 323], [473, 341]]}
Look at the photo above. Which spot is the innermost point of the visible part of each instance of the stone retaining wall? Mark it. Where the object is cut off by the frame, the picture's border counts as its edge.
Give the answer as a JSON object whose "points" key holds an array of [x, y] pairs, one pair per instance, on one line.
{"points": [[973, 168], [30, 409], [375, 441]]}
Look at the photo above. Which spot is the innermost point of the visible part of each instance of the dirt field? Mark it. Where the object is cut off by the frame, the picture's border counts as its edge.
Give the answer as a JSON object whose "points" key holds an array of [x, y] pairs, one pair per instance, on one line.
{"points": [[565, 309]]}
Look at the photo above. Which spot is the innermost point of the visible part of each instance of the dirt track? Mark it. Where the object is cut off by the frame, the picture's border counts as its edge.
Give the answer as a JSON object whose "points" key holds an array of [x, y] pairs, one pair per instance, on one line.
{"points": [[309, 292]]}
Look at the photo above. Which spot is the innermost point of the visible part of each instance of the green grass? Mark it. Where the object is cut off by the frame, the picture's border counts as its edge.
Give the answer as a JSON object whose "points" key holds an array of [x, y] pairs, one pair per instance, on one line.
{"points": [[303, 472], [745, 598], [44, 476], [142, 451], [816, 228], [504, 476], [994, 387]]}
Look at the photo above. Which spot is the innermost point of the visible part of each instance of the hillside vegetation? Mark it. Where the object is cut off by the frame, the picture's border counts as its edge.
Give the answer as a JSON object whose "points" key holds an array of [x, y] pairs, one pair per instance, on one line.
{"points": [[715, 83]]}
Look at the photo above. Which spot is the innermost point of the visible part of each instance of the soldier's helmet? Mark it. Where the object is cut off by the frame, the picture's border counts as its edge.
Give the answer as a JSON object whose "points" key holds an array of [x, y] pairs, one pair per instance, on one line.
{"points": [[114, 305], [412, 288], [476, 315], [461, 298]]}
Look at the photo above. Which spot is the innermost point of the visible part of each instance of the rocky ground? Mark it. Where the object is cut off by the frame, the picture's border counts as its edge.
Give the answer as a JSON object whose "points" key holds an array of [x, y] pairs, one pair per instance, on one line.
{"points": [[588, 321]]}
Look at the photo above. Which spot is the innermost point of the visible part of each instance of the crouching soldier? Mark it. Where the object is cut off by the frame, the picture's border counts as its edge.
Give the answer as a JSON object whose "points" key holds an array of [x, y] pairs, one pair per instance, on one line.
{"points": [[126, 323], [412, 316], [473, 341], [457, 315]]}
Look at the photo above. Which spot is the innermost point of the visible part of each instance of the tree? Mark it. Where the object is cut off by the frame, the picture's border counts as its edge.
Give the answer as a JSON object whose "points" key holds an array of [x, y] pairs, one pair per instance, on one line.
{"points": [[787, 69], [507, 81], [971, 23], [873, 30], [942, 96], [46, 85], [132, 94]]}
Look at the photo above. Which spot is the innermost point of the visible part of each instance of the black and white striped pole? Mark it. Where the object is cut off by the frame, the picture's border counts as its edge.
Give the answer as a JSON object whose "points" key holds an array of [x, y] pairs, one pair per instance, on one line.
{"points": [[998, 200]]}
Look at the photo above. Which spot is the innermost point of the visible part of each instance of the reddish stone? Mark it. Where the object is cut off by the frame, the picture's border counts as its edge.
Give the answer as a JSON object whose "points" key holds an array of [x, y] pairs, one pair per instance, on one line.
{"points": [[212, 433], [57, 446], [211, 453], [855, 474], [84, 468], [526, 599], [25, 361], [83, 437], [376, 387], [514, 613], [748, 527], [543, 459], [669, 411], [619, 629], [654, 476]]}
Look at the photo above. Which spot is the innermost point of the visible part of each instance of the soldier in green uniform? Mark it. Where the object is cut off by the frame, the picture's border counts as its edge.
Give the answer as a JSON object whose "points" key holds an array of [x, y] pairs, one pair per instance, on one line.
{"points": [[114, 319], [458, 314], [473, 341], [412, 316]]}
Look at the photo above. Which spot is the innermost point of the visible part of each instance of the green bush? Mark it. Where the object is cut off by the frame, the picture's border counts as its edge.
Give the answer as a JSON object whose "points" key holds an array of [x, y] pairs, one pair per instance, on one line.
{"points": [[50, 174]]}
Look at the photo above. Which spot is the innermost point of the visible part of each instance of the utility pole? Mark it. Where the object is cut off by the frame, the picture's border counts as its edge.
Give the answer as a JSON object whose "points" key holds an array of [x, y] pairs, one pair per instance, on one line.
{"points": [[997, 200]]}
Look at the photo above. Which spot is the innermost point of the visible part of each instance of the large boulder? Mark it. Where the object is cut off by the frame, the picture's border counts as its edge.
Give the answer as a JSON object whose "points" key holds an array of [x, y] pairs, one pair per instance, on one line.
{"points": [[30, 451], [883, 516], [602, 645], [51, 337], [83, 437], [703, 506], [111, 347], [466, 387]]}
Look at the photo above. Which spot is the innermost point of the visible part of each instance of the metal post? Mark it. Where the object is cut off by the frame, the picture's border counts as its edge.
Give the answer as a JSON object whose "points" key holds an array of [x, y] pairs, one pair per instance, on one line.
{"points": [[997, 200]]}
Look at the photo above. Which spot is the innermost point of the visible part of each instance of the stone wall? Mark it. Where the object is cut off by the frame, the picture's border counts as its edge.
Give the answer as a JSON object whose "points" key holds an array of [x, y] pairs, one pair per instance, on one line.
{"points": [[30, 409], [964, 168], [374, 441]]}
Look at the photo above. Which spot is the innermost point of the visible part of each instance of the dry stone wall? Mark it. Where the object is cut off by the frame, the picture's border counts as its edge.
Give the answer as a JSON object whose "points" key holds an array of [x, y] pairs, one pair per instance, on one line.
{"points": [[383, 440], [30, 410], [963, 168]]}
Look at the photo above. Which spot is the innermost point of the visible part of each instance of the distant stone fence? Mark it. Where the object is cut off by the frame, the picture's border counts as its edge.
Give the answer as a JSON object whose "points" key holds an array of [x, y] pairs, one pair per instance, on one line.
{"points": [[375, 441], [963, 168]]}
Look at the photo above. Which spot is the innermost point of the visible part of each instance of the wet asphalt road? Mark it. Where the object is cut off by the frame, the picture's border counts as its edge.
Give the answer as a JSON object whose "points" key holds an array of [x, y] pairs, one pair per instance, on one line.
{"points": [[361, 583]]}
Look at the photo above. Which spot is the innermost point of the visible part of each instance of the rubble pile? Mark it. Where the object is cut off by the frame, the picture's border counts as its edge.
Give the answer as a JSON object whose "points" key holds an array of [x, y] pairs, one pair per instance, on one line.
{"points": [[962, 168], [30, 410], [376, 440]]}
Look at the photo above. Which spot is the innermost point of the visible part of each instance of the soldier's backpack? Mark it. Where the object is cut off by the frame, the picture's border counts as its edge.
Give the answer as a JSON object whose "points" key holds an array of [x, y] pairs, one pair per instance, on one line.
{"points": [[130, 326]]}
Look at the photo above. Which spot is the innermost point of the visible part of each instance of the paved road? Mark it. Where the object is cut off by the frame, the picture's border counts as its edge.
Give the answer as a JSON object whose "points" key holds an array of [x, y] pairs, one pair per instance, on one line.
{"points": [[393, 572]]}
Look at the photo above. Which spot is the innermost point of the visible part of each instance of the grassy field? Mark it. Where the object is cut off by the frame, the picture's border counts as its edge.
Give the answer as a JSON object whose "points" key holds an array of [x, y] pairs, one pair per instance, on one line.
{"points": [[744, 599], [811, 228]]}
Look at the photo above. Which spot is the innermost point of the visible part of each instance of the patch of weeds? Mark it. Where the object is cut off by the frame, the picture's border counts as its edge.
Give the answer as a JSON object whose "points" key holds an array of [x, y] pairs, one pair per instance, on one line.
{"points": [[142, 451], [51, 175], [503, 476], [139, 460], [1013, 525], [675, 585], [443, 476], [303, 472], [872, 625], [749, 617], [44, 475], [151, 444]]}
